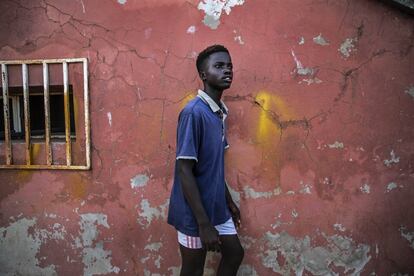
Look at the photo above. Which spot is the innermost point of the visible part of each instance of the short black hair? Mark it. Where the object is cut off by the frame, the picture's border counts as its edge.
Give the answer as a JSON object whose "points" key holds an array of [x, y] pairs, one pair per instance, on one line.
{"points": [[203, 55]]}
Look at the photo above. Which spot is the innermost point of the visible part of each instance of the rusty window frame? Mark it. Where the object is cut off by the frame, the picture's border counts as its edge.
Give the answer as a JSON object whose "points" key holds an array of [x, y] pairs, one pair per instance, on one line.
{"points": [[48, 143]]}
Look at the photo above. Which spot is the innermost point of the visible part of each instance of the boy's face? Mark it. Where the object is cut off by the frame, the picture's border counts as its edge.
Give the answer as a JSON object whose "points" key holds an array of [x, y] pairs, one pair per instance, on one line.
{"points": [[218, 71]]}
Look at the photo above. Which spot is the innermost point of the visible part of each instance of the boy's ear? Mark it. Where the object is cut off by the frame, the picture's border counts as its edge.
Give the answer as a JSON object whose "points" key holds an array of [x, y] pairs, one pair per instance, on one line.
{"points": [[202, 76]]}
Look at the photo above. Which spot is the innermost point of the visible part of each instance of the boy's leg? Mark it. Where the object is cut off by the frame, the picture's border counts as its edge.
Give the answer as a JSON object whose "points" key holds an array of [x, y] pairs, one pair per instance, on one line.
{"points": [[231, 255], [192, 261]]}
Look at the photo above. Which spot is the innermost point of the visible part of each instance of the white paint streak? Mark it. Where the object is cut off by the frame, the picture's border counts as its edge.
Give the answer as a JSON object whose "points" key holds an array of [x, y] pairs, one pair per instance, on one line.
{"points": [[20, 247], [393, 160], [139, 180], [191, 29], [336, 145], [213, 10], [109, 115], [300, 70], [301, 258], [409, 236], [366, 189], [83, 6], [320, 40], [251, 193], [347, 47], [148, 213]]}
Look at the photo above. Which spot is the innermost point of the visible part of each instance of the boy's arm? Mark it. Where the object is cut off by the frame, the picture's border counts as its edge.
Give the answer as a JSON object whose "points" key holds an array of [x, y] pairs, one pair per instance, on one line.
{"points": [[234, 210], [208, 234]]}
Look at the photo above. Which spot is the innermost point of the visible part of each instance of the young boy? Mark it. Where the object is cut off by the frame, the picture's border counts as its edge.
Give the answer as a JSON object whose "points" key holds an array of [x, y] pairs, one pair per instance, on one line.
{"points": [[201, 208]]}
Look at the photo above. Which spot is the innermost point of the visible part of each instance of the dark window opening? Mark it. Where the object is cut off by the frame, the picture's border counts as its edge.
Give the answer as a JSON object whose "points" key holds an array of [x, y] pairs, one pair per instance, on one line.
{"points": [[37, 113]]}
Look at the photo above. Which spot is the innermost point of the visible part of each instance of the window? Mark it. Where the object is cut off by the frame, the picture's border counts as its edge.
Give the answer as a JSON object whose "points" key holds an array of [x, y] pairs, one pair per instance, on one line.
{"points": [[41, 109]]}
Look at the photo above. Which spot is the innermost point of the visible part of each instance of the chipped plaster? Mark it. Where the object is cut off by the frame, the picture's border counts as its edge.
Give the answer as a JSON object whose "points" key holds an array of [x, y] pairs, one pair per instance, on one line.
{"points": [[393, 160], [148, 213], [139, 180], [320, 40], [347, 47], [301, 257], [251, 193], [213, 10], [409, 236]]}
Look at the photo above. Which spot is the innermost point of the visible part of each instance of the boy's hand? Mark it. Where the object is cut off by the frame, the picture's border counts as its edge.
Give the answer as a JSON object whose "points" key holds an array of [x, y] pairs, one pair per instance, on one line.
{"points": [[209, 237], [235, 214]]}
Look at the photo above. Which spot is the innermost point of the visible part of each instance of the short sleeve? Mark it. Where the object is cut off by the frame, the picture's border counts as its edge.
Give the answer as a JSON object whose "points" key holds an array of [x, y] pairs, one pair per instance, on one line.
{"points": [[188, 137]]}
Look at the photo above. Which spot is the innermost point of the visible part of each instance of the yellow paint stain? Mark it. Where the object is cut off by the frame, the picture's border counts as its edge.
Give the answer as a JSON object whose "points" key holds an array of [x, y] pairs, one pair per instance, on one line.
{"points": [[77, 186], [273, 110], [34, 151], [189, 96]]}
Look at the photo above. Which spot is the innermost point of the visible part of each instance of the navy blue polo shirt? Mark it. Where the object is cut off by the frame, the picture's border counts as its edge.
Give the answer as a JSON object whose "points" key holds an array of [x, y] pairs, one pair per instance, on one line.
{"points": [[201, 136]]}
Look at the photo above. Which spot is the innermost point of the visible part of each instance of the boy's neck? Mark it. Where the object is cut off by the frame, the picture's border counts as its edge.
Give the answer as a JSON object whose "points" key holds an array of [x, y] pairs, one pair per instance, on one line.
{"points": [[214, 94]]}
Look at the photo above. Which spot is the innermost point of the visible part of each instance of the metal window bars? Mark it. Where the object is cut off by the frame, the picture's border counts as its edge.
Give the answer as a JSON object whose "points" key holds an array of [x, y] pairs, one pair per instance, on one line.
{"points": [[48, 145]]}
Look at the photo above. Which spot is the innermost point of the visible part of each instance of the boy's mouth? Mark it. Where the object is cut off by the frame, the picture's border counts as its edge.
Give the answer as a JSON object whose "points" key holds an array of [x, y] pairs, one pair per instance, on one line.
{"points": [[228, 79]]}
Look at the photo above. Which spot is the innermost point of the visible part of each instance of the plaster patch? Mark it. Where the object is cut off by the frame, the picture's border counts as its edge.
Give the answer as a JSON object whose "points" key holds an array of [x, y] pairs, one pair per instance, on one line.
{"points": [[175, 270], [148, 213], [213, 10], [191, 30], [139, 180], [336, 145], [339, 227], [246, 270], [155, 246], [306, 188], [97, 261], [347, 47], [410, 91], [19, 248], [391, 186], [95, 258], [409, 236], [251, 193], [109, 115], [366, 189], [393, 160], [320, 40], [235, 195], [299, 256]]}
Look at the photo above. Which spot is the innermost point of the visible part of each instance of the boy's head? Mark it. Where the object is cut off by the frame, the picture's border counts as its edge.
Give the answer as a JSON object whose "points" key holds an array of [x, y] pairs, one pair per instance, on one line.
{"points": [[215, 67]]}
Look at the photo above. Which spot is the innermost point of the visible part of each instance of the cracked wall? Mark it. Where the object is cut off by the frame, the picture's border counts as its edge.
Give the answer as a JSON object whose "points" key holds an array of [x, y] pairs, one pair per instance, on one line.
{"points": [[320, 126]]}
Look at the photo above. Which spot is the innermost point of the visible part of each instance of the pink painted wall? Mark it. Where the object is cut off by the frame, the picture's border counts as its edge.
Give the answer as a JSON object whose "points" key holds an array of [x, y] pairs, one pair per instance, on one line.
{"points": [[320, 126]]}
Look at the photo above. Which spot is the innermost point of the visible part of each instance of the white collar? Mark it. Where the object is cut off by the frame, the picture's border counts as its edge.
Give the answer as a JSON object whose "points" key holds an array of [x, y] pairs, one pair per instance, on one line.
{"points": [[211, 103]]}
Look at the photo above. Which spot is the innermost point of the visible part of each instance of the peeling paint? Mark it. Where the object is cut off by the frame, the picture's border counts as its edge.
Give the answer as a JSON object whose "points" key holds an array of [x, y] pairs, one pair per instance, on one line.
{"points": [[347, 47], [410, 91], [294, 214], [336, 145], [366, 189], [148, 213], [306, 188], [251, 193], [19, 247], [213, 10], [122, 2], [339, 227], [155, 246], [393, 160], [246, 270], [139, 180], [311, 81], [300, 256], [95, 258], [301, 40], [391, 186], [300, 70], [409, 236], [191, 30], [320, 40]]}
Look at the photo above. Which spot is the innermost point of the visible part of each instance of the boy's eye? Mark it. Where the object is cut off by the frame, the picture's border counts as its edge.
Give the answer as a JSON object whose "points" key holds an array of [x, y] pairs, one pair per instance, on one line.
{"points": [[218, 66]]}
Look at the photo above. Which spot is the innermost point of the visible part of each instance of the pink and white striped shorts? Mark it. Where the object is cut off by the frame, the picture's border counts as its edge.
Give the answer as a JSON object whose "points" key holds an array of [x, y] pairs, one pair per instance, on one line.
{"points": [[226, 228]]}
